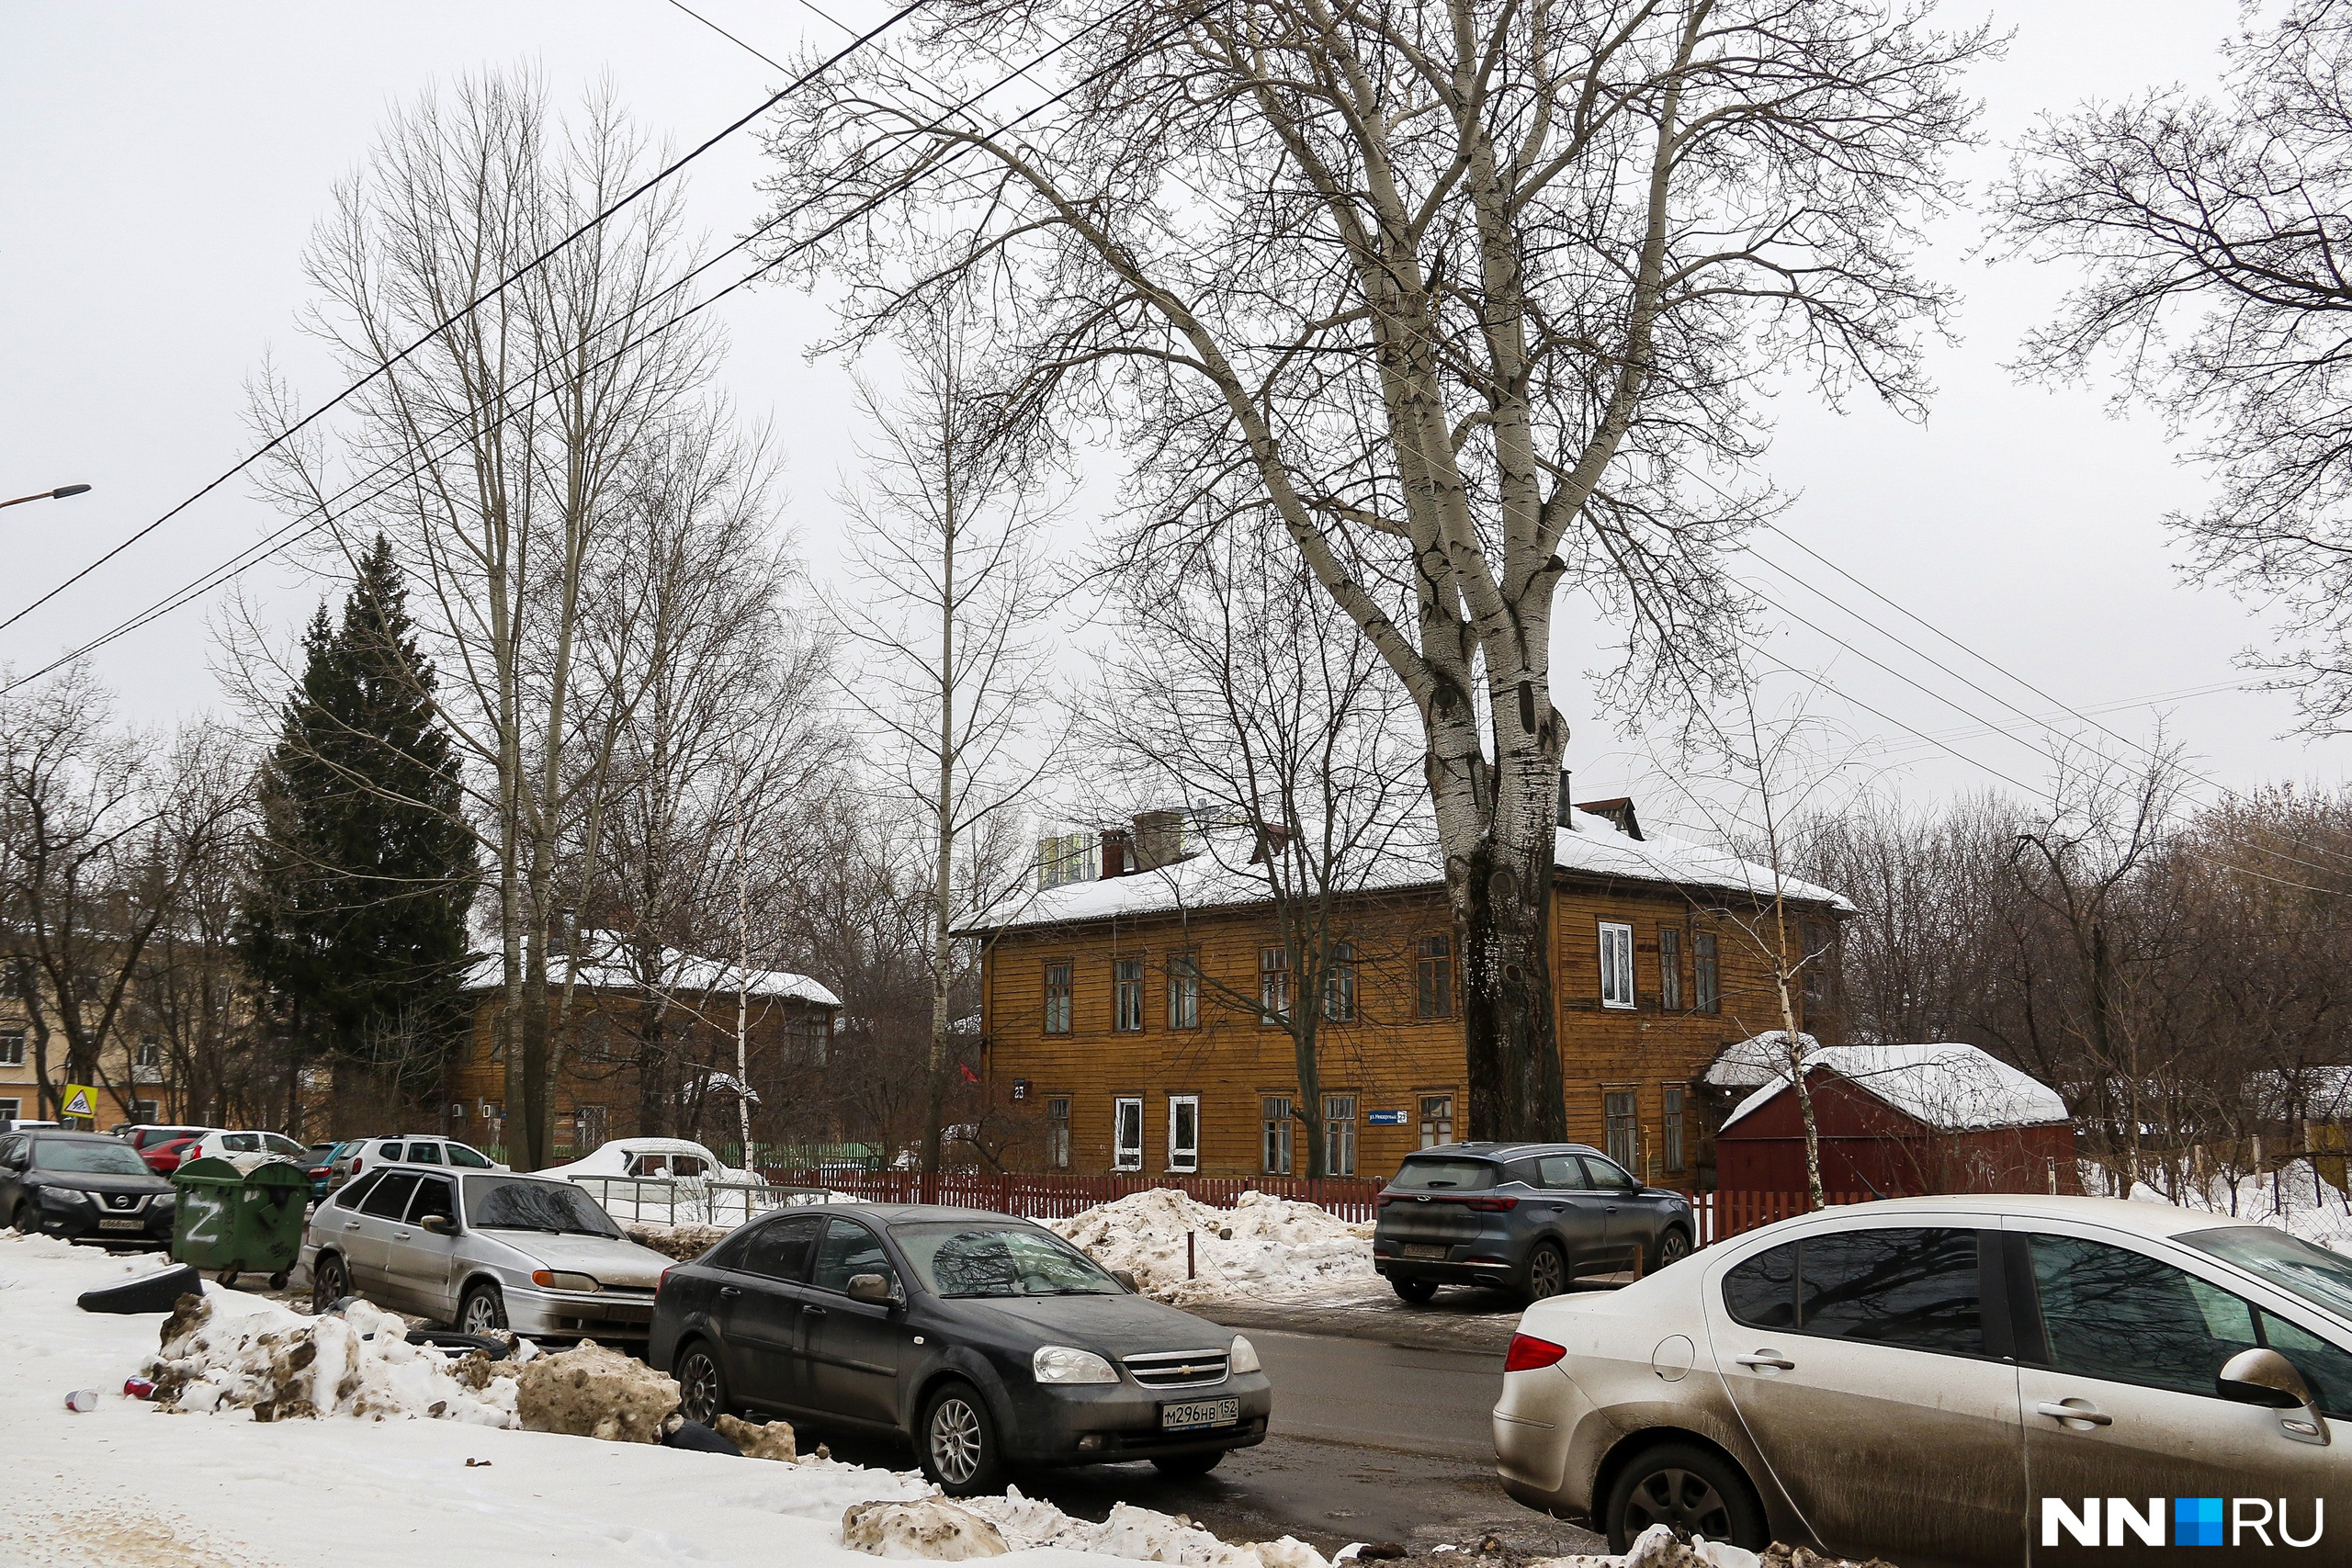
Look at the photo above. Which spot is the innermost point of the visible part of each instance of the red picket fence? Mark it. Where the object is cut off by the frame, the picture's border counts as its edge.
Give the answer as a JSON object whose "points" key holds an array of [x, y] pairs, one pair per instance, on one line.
{"points": [[1059, 1197], [1723, 1216]]}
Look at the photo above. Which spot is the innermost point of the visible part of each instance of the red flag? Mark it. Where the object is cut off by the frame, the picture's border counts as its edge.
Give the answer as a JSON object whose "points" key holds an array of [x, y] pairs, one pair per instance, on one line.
{"points": [[969, 1075]]}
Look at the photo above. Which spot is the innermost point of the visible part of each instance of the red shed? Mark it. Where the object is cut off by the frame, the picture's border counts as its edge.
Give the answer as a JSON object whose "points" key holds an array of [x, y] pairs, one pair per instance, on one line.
{"points": [[1902, 1120]]}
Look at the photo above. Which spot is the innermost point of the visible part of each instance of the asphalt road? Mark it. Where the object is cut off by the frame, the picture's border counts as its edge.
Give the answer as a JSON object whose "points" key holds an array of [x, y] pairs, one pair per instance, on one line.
{"points": [[1372, 1441]]}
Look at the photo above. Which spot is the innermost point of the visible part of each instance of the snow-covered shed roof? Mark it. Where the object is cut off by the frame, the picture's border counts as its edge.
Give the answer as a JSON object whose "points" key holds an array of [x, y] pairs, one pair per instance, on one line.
{"points": [[1218, 877], [1948, 1085], [1758, 1060], [605, 966]]}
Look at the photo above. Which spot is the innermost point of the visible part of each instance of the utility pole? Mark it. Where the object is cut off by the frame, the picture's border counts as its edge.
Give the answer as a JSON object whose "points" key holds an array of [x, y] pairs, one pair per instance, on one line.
{"points": [[742, 981]]}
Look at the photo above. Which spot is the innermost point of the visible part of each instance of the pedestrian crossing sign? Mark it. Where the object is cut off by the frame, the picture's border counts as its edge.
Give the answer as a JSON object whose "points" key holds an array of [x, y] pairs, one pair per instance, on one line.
{"points": [[81, 1100]]}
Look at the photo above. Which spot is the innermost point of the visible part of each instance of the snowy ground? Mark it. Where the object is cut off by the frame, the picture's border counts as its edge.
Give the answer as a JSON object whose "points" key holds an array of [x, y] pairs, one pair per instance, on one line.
{"points": [[130, 1484], [2289, 1198]]}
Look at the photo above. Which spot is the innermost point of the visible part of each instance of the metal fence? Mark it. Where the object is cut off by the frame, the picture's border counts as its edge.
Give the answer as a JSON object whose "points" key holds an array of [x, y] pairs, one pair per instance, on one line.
{"points": [[688, 1201], [1058, 1197]]}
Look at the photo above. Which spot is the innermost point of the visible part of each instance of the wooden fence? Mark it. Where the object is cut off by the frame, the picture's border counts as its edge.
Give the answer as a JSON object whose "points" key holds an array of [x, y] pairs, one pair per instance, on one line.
{"points": [[1720, 1215]]}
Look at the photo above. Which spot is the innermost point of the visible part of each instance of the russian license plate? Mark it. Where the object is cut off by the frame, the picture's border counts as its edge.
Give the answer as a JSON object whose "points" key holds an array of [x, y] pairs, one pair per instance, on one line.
{"points": [[133, 1225], [1427, 1254], [1200, 1415]]}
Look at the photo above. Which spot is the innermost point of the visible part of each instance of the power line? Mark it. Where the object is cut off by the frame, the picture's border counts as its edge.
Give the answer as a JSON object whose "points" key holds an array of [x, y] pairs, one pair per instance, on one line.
{"points": [[272, 544], [803, 80]]}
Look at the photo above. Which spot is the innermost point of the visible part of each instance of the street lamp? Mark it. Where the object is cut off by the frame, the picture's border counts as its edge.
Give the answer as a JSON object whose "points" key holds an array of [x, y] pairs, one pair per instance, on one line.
{"points": [[60, 493]]}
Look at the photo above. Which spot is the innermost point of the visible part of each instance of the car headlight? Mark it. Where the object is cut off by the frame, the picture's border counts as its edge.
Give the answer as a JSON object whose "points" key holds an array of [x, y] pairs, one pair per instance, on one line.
{"points": [[556, 1280], [60, 1197], [1064, 1363], [1245, 1356]]}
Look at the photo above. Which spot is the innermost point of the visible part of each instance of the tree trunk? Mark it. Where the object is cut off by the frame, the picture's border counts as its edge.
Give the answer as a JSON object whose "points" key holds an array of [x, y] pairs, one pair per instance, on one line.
{"points": [[1501, 896]]}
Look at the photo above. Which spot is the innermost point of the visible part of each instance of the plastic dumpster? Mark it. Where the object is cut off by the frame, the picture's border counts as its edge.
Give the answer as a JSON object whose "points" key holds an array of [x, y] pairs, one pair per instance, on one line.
{"points": [[240, 1221]]}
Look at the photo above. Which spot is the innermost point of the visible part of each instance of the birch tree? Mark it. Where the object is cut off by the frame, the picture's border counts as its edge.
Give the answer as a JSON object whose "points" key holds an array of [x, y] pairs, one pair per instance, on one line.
{"points": [[1471, 294], [945, 539]]}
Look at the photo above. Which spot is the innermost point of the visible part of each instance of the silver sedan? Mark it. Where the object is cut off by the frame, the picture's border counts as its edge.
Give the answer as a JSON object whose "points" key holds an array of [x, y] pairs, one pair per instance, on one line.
{"points": [[1950, 1383], [484, 1250]]}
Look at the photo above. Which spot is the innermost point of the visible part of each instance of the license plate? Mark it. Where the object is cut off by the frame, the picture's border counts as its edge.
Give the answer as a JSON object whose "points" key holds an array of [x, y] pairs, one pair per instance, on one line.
{"points": [[1199, 1415], [106, 1224], [1427, 1254]]}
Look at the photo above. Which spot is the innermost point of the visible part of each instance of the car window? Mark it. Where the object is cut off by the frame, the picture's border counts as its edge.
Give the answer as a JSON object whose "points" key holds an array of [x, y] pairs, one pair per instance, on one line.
{"points": [[2115, 1314], [524, 1204], [279, 1143], [780, 1249], [729, 1253], [92, 1159], [1563, 1173], [388, 1200], [242, 1143], [1913, 1288], [425, 1153], [10, 1149], [353, 1194], [2327, 1368], [1607, 1175], [2320, 1277], [1762, 1292], [685, 1165], [471, 1159], [993, 1259], [1446, 1175], [388, 1151], [850, 1249], [434, 1196]]}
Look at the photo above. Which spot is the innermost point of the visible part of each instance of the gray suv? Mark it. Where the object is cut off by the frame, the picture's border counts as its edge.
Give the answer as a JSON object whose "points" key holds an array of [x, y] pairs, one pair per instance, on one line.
{"points": [[1528, 1217]]}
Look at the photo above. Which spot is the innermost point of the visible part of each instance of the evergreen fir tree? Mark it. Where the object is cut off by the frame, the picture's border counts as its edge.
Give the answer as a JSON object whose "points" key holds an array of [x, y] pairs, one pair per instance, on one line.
{"points": [[355, 911]]}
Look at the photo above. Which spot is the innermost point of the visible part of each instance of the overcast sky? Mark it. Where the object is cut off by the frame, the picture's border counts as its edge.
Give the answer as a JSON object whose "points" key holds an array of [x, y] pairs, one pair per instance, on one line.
{"points": [[164, 162]]}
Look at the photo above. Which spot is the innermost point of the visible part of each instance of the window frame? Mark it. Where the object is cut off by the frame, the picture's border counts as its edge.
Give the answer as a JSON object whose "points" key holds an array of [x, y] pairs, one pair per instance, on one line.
{"points": [[1127, 996], [1183, 1160], [1669, 969], [1436, 1130], [1184, 991], [1433, 975], [1339, 1133], [1057, 1107], [12, 1047], [1339, 984], [1673, 1108], [1279, 1134], [1058, 1000], [1273, 986], [2000, 1338], [1625, 1119], [1616, 943], [1125, 1156], [1706, 972]]}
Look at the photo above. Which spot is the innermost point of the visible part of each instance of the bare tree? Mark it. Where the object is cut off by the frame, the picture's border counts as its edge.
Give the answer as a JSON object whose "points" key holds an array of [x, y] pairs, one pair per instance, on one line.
{"points": [[1244, 700], [1463, 292], [2212, 234], [944, 535], [507, 438]]}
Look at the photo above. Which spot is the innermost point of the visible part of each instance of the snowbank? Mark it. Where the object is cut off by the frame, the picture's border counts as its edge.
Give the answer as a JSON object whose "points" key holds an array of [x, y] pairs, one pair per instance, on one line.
{"points": [[939, 1531], [1263, 1246], [1656, 1548], [2292, 1198], [253, 1355]]}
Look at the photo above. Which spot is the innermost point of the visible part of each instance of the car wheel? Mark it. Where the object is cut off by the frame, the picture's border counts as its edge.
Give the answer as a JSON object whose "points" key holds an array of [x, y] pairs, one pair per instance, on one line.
{"points": [[1547, 1272], [1673, 1245], [27, 1218], [1185, 1467], [330, 1282], [483, 1312], [702, 1386], [1689, 1490], [958, 1442], [1414, 1291]]}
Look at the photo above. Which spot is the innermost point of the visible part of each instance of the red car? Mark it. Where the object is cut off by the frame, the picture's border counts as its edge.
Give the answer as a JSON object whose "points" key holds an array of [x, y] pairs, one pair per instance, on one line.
{"points": [[164, 1158]]}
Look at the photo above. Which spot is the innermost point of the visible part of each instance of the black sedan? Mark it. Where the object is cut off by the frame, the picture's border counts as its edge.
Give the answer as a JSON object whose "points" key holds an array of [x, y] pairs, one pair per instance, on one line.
{"points": [[84, 1187], [1528, 1217], [989, 1341]]}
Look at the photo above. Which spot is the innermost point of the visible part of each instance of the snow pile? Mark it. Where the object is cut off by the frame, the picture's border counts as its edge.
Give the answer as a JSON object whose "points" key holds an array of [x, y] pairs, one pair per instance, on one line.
{"points": [[1137, 1534], [1656, 1548], [684, 1243], [1262, 1246], [589, 1392], [255, 1355], [2293, 1198]]}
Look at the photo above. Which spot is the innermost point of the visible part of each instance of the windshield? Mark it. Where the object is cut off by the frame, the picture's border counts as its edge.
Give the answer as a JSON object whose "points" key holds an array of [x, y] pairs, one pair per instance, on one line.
{"points": [[2320, 1277], [1445, 1175], [286, 1146], [994, 1260], [93, 1159], [518, 1203]]}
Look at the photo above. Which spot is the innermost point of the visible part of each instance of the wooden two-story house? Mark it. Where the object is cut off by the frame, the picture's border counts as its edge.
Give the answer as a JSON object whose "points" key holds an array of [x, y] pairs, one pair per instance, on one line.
{"points": [[1129, 1013]]}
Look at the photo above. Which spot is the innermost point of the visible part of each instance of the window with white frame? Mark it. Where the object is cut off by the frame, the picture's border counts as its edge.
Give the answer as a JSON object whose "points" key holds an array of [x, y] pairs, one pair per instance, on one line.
{"points": [[1340, 985], [144, 1111], [1058, 998], [1340, 1134], [1127, 1134], [12, 1047], [1184, 1133], [150, 1053], [1278, 1134], [1616, 965], [1274, 984], [1437, 1119], [10, 1110]]}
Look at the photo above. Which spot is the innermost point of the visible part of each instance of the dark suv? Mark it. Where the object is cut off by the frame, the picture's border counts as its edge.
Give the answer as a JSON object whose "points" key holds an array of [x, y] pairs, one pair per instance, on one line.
{"points": [[84, 1187], [1528, 1217]]}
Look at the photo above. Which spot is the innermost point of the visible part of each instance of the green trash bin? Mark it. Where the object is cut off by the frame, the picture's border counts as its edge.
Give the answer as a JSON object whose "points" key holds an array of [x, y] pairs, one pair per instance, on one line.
{"points": [[241, 1222]]}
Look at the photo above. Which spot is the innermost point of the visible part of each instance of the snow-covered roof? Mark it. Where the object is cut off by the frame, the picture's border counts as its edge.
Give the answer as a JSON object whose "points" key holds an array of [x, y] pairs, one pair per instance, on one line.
{"points": [[1760, 1059], [1948, 1085], [605, 966], [1588, 845]]}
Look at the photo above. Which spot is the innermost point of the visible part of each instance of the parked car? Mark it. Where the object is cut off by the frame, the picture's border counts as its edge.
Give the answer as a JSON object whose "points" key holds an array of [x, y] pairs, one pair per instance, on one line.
{"points": [[218, 1145], [676, 1158], [144, 1138], [84, 1187], [989, 1341], [166, 1159], [21, 1125], [482, 1249], [2008, 1349], [320, 1166], [1528, 1217], [406, 1148]]}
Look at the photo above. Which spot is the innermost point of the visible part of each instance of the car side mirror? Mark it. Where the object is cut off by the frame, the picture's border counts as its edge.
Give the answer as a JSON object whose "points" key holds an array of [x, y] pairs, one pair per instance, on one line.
{"points": [[871, 1288], [439, 1225], [1127, 1281], [2265, 1377]]}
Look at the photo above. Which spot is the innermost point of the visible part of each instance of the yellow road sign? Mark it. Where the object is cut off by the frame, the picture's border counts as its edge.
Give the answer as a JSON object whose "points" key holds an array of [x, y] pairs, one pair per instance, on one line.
{"points": [[82, 1100]]}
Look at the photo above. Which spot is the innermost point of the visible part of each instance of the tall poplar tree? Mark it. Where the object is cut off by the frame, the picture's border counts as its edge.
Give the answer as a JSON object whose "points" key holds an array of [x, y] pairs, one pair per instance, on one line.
{"points": [[355, 908]]}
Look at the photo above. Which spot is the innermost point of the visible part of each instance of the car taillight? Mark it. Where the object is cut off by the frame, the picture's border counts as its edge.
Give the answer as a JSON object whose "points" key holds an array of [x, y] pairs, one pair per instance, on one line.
{"points": [[1527, 1353], [661, 1281], [1492, 1205]]}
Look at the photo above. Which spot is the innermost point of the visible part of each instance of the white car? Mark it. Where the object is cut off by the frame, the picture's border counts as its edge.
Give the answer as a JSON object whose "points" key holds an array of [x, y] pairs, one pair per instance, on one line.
{"points": [[408, 1148], [216, 1144], [1947, 1383], [675, 1159], [482, 1249]]}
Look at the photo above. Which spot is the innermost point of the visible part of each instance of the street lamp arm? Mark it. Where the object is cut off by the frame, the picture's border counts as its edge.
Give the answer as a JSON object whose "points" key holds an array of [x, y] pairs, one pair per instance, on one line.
{"points": [[60, 493]]}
